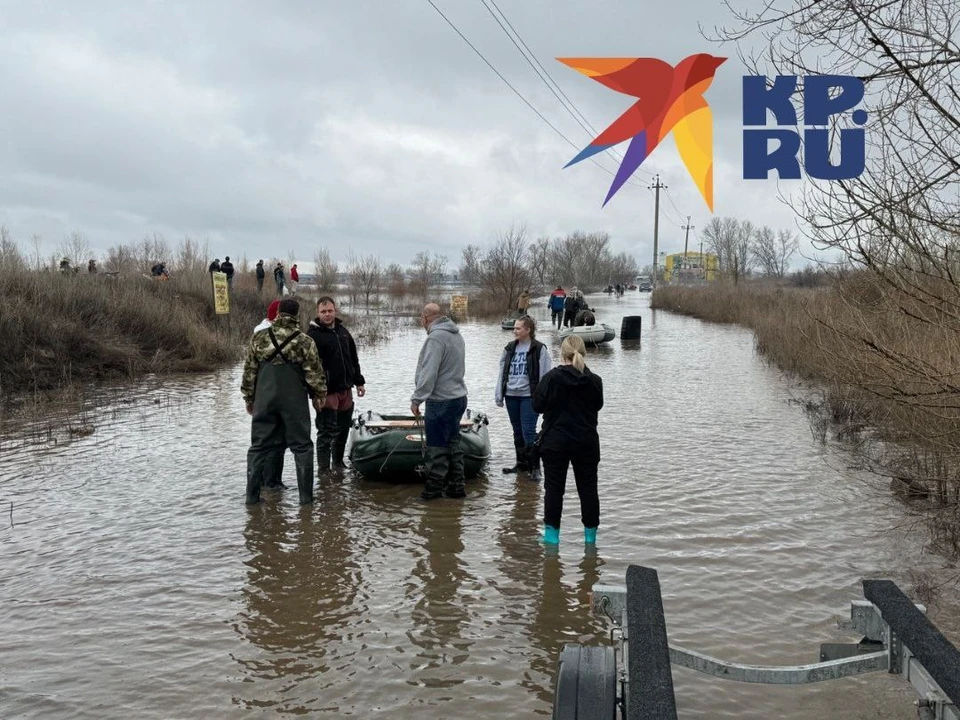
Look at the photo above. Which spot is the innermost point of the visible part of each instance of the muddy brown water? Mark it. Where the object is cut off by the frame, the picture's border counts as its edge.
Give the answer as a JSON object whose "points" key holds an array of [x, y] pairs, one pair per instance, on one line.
{"points": [[135, 583]]}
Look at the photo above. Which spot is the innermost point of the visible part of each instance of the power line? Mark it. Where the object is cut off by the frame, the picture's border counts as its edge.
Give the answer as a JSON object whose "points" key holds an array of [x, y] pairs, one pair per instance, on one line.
{"points": [[516, 92], [547, 78]]}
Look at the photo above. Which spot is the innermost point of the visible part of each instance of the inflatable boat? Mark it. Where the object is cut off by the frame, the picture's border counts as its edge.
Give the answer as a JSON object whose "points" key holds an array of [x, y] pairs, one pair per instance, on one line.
{"points": [[391, 447], [590, 334]]}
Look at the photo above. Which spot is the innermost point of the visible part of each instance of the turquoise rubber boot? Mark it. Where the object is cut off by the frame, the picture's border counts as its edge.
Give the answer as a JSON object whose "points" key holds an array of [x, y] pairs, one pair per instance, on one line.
{"points": [[590, 536], [551, 535]]}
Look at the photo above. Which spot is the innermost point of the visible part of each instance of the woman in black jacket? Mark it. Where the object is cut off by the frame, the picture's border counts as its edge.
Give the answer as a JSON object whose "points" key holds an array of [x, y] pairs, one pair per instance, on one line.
{"points": [[569, 397]]}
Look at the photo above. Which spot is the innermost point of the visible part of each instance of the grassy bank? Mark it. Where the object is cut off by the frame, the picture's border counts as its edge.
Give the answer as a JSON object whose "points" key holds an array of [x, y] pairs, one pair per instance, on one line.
{"points": [[887, 368], [62, 329]]}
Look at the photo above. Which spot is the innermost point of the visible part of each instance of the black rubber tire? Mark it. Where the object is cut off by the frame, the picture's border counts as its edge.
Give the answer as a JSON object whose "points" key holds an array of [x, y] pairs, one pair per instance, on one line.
{"points": [[586, 686]]}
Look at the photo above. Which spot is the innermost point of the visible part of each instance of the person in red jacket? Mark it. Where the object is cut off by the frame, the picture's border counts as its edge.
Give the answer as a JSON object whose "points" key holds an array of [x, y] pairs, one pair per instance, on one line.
{"points": [[294, 278]]}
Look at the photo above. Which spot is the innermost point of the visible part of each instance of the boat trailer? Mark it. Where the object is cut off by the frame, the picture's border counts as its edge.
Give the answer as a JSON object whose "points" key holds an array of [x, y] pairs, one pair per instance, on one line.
{"points": [[631, 677]]}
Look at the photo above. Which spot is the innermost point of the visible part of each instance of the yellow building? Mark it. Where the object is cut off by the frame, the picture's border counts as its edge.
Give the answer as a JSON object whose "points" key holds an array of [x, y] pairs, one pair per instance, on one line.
{"points": [[690, 267]]}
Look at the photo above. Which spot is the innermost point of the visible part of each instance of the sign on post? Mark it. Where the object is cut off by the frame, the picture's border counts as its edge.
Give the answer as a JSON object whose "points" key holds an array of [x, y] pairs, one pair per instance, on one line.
{"points": [[458, 305], [221, 295]]}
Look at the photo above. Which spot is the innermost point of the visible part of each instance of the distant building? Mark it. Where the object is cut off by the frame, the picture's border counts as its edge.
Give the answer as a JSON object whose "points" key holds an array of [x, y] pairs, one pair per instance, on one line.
{"points": [[691, 267]]}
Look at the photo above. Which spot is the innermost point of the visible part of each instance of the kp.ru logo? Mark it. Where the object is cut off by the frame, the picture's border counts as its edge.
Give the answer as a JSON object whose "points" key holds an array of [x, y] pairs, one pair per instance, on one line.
{"points": [[671, 100]]}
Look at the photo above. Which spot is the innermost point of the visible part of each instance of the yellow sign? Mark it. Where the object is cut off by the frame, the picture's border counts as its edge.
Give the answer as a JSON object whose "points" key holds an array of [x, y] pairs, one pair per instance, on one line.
{"points": [[221, 295], [458, 305]]}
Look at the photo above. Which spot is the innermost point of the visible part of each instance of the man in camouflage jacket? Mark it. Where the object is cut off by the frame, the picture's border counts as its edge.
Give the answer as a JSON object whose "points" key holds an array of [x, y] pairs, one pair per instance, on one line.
{"points": [[281, 371]]}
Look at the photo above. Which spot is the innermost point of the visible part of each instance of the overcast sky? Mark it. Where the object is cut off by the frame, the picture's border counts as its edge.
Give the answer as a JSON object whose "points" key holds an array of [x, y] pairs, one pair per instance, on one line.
{"points": [[272, 128]]}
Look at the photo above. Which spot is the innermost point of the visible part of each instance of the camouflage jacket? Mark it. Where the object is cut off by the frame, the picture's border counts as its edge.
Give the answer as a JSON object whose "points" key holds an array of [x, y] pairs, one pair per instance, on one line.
{"points": [[302, 349]]}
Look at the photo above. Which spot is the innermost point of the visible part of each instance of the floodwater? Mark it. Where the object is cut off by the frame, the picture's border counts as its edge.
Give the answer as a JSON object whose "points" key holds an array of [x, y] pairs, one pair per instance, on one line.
{"points": [[135, 583]]}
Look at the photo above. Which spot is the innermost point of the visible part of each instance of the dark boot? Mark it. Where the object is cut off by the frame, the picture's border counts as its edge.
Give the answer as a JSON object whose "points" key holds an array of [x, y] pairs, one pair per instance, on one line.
{"points": [[521, 451], [254, 476], [533, 458], [344, 420], [273, 470], [455, 487], [326, 424], [304, 463], [438, 465]]}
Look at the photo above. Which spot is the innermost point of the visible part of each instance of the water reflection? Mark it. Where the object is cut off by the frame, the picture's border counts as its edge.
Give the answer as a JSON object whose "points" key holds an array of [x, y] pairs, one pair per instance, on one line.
{"points": [[301, 595], [439, 615]]}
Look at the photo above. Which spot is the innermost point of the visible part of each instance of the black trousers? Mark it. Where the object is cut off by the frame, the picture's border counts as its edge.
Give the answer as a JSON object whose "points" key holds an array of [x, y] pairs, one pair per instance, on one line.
{"points": [[568, 317], [556, 460], [557, 318]]}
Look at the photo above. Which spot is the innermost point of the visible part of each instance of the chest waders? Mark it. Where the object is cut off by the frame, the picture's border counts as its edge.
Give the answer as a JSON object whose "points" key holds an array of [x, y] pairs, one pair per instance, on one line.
{"points": [[281, 419]]}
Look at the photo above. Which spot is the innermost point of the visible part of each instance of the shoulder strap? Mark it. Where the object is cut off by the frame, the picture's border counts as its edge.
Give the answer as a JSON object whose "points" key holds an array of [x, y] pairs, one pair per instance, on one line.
{"points": [[278, 349]]}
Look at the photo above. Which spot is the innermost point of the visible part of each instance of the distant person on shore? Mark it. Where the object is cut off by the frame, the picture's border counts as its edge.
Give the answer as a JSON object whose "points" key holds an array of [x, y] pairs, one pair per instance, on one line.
{"points": [[261, 274], [338, 353], [570, 397], [523, 302], [226, 267], [159, 271], [281, 373], [65, 265], [215, 266], [279, 279], [440, 384], [523, 362], [557, 298], [294, 279], [92, 267]]}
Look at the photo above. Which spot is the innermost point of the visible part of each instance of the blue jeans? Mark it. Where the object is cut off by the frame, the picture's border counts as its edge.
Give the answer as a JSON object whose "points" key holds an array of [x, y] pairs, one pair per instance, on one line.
{"points": [[523, 419], [441, 420]]}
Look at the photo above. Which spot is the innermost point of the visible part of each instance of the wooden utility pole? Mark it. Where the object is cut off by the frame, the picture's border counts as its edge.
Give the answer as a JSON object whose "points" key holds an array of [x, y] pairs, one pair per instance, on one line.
{"points": [[656, 187], [686, 240]]}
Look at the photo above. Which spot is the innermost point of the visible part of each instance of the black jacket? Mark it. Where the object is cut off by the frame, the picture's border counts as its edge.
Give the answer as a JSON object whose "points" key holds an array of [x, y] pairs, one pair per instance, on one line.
{"points": [[338, 353], [533, 365], [214, 266], [569, 401], [227, 267], [260, 271]]}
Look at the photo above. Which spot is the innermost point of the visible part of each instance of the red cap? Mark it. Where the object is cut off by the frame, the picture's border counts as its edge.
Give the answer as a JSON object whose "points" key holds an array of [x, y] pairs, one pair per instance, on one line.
{"points": [[272, 310]]}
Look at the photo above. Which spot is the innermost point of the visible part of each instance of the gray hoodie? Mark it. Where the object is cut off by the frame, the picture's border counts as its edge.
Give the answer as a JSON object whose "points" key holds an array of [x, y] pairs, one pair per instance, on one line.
{"points": [[440, 369]]}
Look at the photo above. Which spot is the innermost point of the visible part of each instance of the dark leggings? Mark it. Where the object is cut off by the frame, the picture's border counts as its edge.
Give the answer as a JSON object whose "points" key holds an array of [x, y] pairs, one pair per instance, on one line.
{"points": [[556, 460]]}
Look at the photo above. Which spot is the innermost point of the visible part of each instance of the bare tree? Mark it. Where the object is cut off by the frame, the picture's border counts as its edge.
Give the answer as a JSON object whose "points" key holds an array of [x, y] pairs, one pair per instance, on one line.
{"points": [[396, 282], [426, 272], [502, 270], [772, 251], [120, 259], [366, 275], [325, 269], [153, 248], [76, 248], [540, 261], [191, 257], [10, 258], [470, 257]]}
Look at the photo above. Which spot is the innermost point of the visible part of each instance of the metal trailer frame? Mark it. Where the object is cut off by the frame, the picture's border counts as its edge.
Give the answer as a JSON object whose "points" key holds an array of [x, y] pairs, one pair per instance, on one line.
{"points": [[897, 637]]}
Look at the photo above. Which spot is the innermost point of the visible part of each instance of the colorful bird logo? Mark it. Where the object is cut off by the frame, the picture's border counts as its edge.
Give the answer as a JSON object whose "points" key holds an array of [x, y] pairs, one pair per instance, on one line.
{"points": [[670, 100]]}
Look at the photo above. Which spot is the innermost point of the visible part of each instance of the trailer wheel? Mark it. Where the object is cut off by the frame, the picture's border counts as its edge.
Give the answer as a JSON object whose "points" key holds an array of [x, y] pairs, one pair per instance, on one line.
{"points": [[586, 686]]}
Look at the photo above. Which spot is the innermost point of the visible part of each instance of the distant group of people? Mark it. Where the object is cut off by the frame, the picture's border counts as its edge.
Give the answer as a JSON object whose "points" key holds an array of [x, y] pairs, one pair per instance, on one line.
{"points": [[284, 285], [286, 370]]}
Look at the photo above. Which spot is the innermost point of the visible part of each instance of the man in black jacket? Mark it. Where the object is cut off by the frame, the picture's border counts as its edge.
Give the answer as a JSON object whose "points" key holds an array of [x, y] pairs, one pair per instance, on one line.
{"points": [[338, 353], [261, 273], [226, 267]]}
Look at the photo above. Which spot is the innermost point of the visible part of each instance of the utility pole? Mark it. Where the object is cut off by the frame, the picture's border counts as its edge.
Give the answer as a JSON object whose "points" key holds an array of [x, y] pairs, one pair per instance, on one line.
{"points": [[686, 240], [656, 187]]}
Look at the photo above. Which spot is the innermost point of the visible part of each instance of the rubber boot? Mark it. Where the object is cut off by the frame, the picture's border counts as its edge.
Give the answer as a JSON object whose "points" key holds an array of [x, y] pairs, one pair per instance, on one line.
{"points": [[272, 477], [326, 433], [521, 464], [254, 477], [551, 535], [344, 420], [590, 536], [455, 487], [533, 459], [304, 462], [437, 461]]}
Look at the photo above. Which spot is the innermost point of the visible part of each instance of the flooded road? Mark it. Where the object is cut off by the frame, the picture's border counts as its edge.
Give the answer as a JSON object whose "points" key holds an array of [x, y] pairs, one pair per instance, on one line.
{"points": [[137, 584]]}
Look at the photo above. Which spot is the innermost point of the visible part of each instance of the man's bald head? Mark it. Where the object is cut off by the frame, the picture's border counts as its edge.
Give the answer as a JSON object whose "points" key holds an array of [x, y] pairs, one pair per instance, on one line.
{"points": [[431, 311]]}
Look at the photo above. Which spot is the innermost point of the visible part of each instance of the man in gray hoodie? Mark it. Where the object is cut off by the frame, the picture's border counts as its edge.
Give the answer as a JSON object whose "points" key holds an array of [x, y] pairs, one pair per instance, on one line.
{"points": [[441, 386]]}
